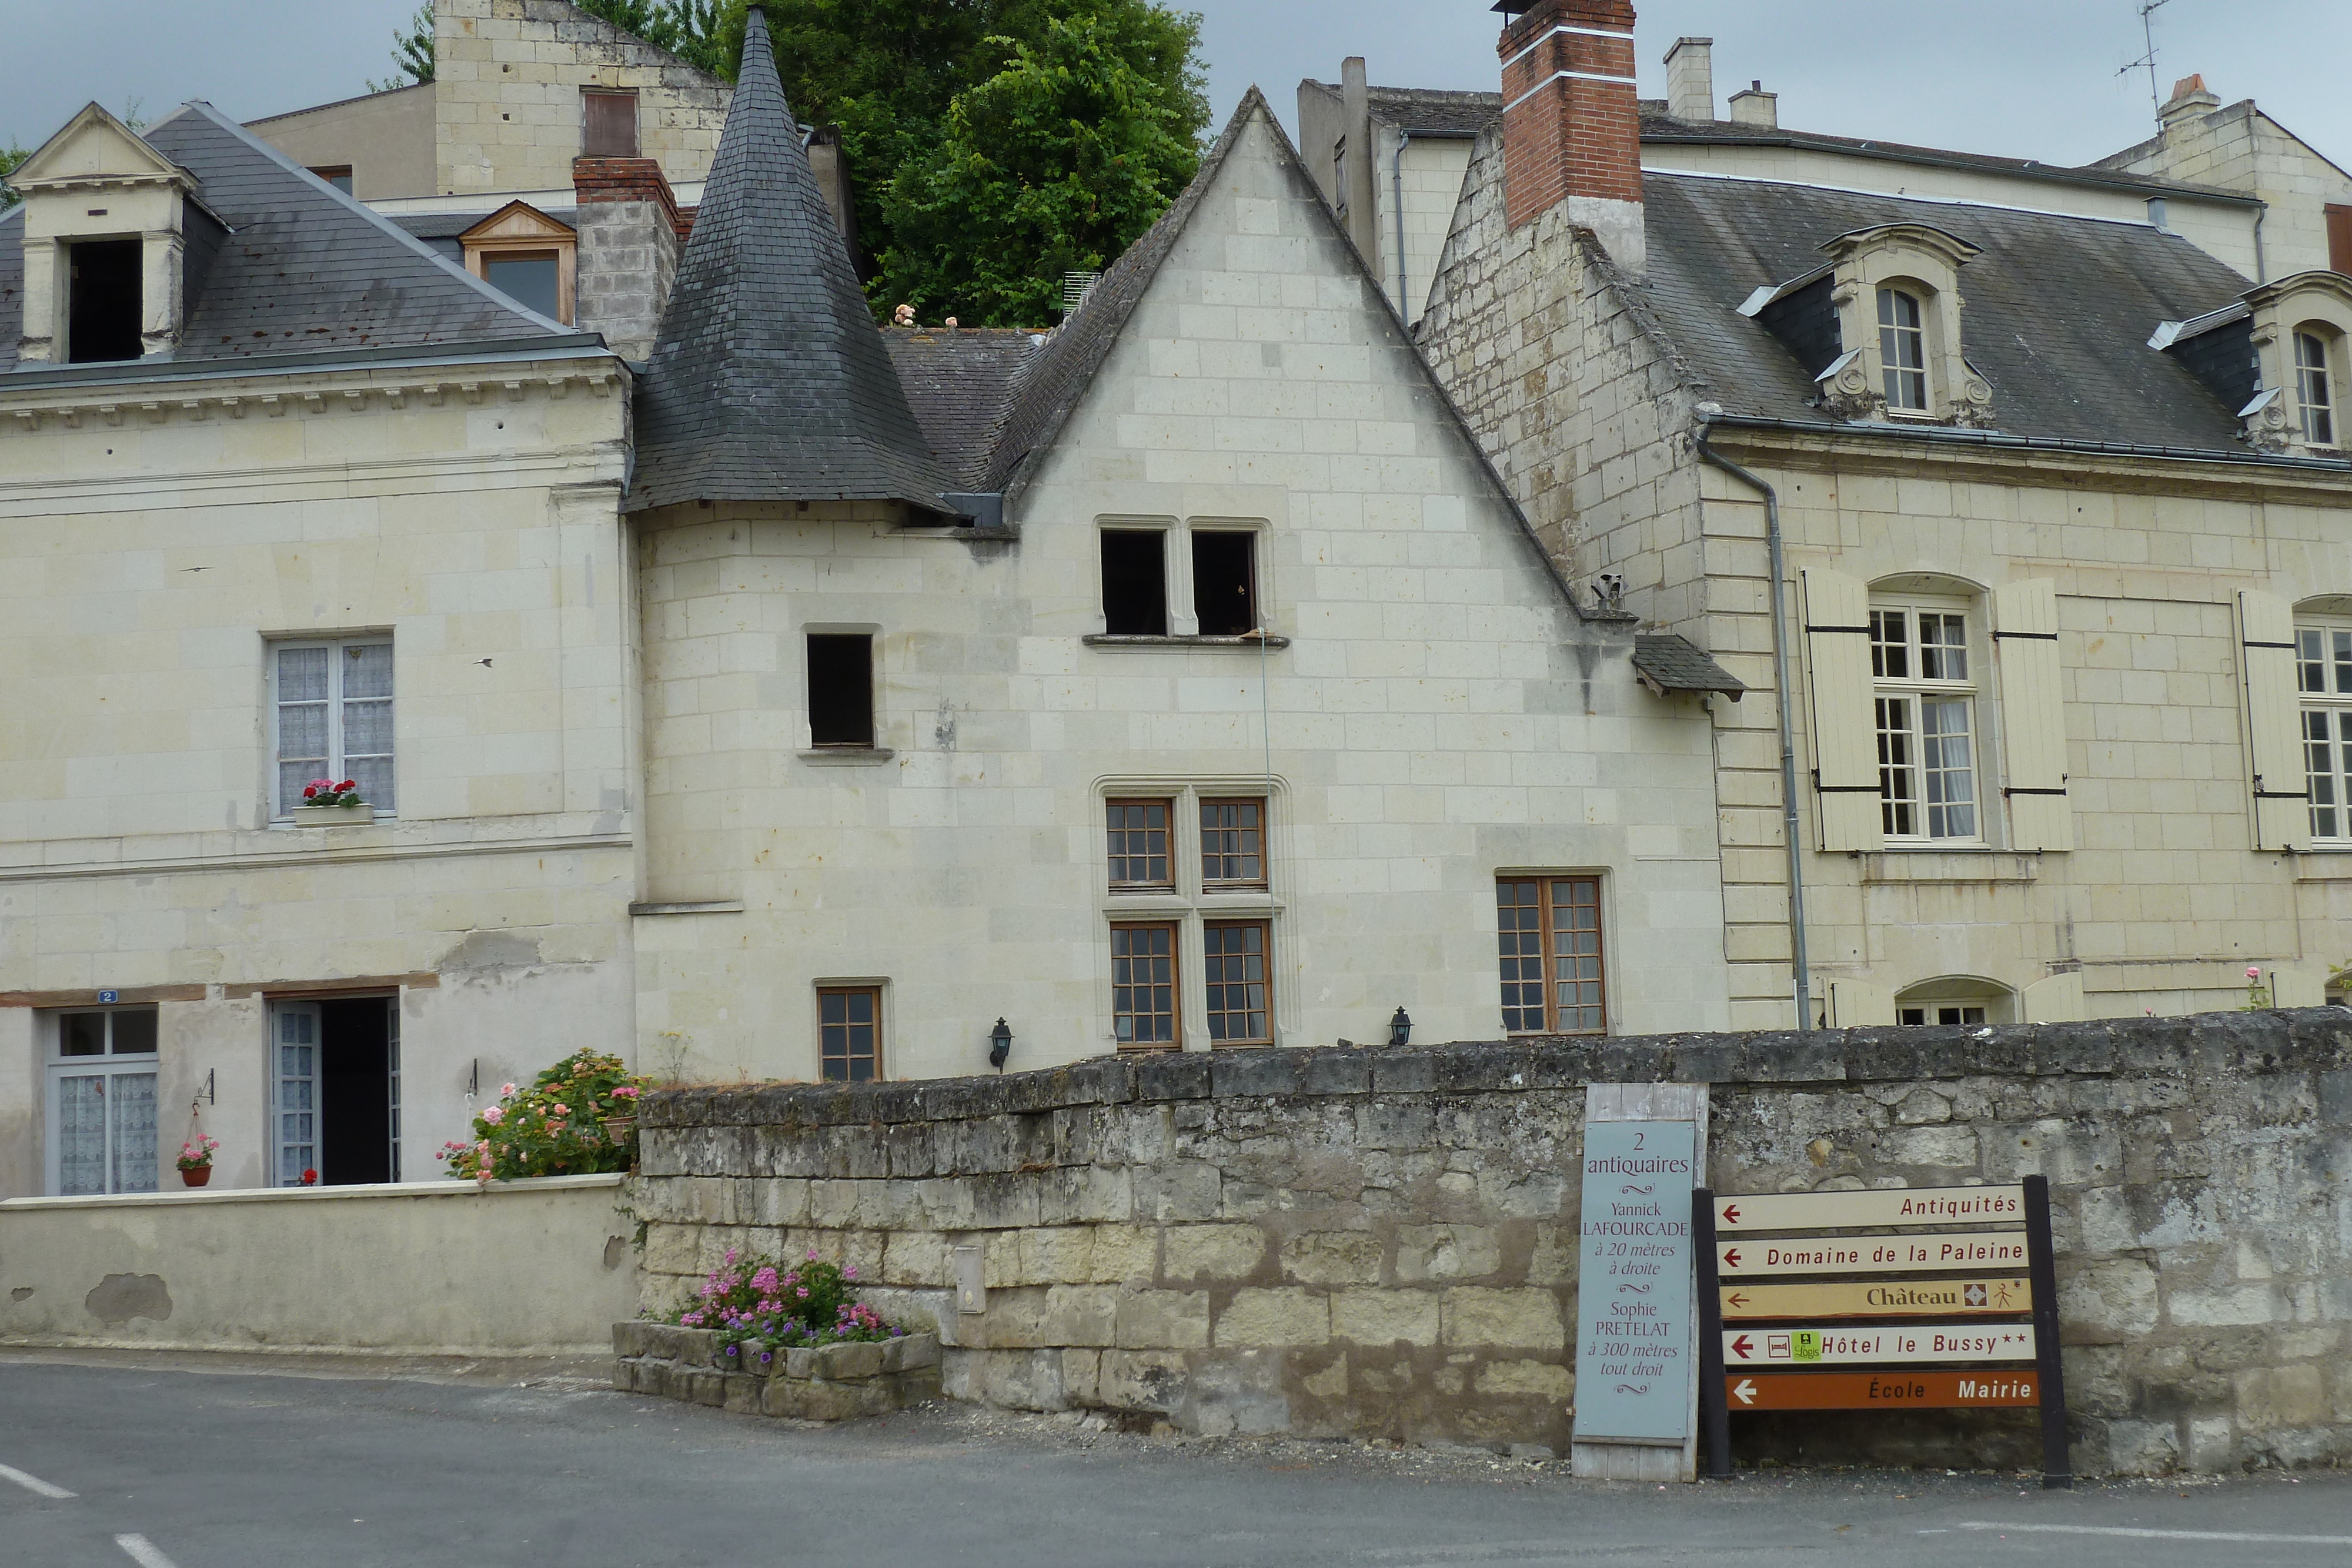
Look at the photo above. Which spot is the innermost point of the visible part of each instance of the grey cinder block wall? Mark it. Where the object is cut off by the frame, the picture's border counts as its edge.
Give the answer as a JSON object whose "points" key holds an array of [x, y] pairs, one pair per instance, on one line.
{"points": [[1383, 1242]]}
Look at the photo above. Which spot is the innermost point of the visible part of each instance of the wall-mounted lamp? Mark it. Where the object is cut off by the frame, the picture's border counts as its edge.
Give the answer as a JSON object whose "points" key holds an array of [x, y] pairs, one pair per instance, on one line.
{"points": [[1000, 1044], [473, 1079], [1399, 1028]]}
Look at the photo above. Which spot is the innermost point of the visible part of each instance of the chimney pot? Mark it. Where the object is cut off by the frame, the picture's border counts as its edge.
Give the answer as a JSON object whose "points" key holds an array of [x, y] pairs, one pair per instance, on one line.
{"points": [[2189, 97], [1690, 81]]}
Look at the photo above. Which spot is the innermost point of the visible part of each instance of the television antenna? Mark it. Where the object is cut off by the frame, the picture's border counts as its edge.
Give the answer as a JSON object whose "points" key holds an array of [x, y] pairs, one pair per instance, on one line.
{"points": [[2146, 62]]}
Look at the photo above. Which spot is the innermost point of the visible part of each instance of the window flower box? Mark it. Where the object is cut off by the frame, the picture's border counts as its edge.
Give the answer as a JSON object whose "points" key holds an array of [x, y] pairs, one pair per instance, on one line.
{"points": [[359, 814]]}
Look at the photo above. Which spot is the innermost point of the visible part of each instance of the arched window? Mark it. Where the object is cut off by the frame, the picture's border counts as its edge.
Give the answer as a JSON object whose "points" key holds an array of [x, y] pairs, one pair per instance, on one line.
{"points": [[1903, 351], [2315, 389], [1954, 1000]]}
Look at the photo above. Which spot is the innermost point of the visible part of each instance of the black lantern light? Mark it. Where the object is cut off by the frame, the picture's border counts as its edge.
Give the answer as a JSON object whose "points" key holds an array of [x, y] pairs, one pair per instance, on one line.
{"points": [[1000, 1044], [1399, 1028]]}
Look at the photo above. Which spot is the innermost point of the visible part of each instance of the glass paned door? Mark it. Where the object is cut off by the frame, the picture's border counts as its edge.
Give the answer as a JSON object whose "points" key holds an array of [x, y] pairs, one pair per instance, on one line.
{"points": [[131, 1132], [80, 1100], [295, 1068]]}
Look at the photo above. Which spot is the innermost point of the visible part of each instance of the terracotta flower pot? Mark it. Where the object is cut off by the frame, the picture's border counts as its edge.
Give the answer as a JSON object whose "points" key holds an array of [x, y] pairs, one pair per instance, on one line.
{"points": [[620, 1129], [196, 1177]]}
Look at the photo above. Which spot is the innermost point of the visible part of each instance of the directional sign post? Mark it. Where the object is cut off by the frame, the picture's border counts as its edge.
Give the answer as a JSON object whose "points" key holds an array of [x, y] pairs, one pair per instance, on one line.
{"points": [[1914, 1288]]}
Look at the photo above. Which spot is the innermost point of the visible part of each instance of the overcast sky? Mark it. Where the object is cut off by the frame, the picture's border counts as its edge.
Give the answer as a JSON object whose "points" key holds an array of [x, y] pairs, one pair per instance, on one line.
{"points": [[2032, 79]]}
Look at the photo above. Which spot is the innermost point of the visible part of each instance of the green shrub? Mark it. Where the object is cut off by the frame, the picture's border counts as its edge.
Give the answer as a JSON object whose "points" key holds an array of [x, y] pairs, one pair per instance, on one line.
{"points": [[763, 1306], [556, 1126]]}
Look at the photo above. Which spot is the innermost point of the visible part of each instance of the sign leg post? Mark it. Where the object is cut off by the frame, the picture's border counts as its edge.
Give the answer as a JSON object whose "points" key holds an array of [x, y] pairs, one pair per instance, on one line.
{"points": [[2057, 1464], [1714, 1409]]}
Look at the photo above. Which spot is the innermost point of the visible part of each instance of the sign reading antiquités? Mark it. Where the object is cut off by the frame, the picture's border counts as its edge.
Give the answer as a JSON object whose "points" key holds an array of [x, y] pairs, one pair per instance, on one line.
{"points": [[1633, 1347]]}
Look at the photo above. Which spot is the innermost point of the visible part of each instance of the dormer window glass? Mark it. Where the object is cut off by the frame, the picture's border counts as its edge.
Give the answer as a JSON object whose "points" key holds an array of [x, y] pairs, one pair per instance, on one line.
{"points": [[1903, 351], [102, 308], [2313, 386]]}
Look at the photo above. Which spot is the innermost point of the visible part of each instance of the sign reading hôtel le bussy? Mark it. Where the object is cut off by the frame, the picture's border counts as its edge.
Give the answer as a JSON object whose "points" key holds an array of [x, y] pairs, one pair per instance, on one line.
{"points": [[1633, 1341]]}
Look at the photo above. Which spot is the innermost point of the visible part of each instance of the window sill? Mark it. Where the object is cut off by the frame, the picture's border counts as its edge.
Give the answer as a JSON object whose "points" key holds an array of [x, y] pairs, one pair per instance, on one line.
{"points": [[717, 906], [1904, 864], [848, 756], [330, 816], [1109, 640], [2323, 863]]}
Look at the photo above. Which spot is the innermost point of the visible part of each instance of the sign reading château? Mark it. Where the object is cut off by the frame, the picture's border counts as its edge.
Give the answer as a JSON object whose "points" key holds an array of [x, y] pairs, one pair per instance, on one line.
{"points": [[1881, 1298], [1634, 1345]]}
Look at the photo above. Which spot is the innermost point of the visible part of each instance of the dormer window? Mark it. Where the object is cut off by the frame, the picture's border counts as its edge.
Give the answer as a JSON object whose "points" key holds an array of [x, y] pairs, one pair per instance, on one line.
{"points": [[102, 315], [2313, 389], [527, 256], [1903, 351], [113, 233]]}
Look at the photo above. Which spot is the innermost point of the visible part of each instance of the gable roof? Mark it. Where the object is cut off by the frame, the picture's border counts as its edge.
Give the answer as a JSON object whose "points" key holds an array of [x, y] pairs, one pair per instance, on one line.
{"points": [[303, 269], [2058, 316], [769, 380]]}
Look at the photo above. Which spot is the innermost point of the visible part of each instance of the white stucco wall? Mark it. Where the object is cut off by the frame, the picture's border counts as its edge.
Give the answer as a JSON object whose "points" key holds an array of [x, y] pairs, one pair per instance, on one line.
{"points": [[540, 1267], [1439, 713]]}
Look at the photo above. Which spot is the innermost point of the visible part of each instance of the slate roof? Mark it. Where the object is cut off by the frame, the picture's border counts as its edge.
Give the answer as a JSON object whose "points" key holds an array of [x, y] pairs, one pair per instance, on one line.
{"points": [[960, 383], [1675, 664], [2058, 316], [305, 268], [769, 380]]}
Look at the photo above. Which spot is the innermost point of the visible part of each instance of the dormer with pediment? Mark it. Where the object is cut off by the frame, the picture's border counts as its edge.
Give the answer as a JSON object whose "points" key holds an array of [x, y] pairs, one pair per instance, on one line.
{"points": [[116, 237], [1893, 292], [532, 258], [2301, 328]]}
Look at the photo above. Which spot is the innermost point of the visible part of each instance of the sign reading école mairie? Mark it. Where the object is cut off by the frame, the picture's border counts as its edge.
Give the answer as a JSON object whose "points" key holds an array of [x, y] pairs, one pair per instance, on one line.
{"points": [[1634, 1345]]}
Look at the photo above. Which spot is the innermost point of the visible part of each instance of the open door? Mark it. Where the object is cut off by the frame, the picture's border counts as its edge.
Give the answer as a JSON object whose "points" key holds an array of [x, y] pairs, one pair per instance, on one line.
{"points": [[294, 1072], [337, 1071]]}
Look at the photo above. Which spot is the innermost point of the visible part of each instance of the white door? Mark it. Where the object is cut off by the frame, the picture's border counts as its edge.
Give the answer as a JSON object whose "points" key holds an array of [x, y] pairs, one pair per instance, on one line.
{"points": [[294, 1071], [102, 1123]]}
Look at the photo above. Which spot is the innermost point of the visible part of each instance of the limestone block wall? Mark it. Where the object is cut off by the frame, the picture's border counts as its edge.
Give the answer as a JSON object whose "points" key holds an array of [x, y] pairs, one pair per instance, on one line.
{"points": [[1381, 1242]]}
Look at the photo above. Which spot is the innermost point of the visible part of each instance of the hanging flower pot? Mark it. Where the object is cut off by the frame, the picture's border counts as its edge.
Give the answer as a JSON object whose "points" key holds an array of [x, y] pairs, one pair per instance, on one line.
{"points": [[195, 1176]]}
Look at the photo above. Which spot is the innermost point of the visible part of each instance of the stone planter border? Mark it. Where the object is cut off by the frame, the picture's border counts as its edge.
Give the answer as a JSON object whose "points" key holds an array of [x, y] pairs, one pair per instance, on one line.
{"points": [[827, 1383]]}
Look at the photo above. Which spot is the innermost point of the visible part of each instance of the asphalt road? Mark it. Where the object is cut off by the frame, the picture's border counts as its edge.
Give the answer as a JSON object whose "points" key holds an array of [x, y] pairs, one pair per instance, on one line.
{"points": [[176, 1468]]}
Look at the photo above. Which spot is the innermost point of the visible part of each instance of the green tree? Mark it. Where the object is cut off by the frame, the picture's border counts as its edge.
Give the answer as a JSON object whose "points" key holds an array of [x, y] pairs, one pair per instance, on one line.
{"points": [[1053, 165], [10, 156], [412, 52]]}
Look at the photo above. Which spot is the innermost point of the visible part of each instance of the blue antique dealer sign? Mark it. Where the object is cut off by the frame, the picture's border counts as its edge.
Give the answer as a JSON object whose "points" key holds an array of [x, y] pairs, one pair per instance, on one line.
{"points": [[1635, 1348]]}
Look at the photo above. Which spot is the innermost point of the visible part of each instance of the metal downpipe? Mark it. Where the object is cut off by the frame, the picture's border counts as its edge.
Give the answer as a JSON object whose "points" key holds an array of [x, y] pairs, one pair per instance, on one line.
{"points": [[1801, 967]]}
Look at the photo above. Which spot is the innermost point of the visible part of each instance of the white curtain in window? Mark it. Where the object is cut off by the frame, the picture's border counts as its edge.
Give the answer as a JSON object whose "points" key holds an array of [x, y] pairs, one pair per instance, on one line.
{"points": [[81, 1135], [131, 1098]]}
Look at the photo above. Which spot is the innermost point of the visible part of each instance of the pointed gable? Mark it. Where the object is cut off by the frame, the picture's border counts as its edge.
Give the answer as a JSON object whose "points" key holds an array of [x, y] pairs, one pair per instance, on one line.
{"points": [[769, 380], [96, 148]]}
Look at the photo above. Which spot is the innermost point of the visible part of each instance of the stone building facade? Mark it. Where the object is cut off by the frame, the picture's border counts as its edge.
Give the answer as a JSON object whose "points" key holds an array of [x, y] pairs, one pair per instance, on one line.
{"points": [[2123, 551]]}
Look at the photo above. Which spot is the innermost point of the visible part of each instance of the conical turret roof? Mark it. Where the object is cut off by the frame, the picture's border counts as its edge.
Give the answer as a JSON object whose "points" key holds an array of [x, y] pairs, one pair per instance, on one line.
{"points": [[769, 380]]}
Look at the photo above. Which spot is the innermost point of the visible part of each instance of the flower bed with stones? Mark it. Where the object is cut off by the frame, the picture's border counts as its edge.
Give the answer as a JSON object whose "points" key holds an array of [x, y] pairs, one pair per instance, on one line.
{"points": [[828, 1383]]}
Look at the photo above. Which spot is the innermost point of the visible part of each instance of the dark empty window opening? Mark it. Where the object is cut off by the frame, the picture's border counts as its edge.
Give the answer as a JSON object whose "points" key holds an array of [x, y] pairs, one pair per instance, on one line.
{"points": [[532, 279], [1135, 583], [102, 316], [1225, 583], [841, 690], [339, 178], [608, 124]]}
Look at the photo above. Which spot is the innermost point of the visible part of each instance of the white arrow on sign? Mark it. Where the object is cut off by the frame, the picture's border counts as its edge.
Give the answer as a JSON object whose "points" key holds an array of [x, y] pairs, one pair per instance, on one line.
{"points": [[1744, 1391]]}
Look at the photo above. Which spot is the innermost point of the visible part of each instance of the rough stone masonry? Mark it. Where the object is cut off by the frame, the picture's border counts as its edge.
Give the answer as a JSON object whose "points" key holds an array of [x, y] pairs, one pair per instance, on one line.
{"points": [[1381, 1242]]}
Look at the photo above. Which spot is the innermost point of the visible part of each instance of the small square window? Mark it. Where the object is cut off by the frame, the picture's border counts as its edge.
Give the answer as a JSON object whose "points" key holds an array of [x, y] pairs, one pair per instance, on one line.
{"points": [[849, 1027], [1549, 941], [338, 177], [841, 690], [1224, 582], [1140, 854], [531, 278], [1135, 583]]}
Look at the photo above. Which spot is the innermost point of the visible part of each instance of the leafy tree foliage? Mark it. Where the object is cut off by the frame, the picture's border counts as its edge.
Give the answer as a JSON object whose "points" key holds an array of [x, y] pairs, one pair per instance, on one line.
{"points": [[1053, 165], [412, 52], [10, 156]]}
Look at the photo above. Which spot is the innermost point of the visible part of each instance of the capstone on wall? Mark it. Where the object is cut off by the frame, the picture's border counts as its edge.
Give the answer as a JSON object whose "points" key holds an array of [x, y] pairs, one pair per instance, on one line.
{"points": [[1383, 1242]]}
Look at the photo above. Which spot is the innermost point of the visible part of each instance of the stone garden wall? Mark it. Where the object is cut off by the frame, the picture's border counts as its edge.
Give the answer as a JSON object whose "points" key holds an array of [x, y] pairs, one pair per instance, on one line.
{"points": [[1383, 1242]]}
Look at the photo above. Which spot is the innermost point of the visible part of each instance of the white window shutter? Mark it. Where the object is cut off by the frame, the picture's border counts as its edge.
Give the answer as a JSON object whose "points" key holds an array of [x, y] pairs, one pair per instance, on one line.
{"points": [[2032, 715], [1845, 732], [2281, 791], [2297, 988], [2058, 999], [1856, 1003]]}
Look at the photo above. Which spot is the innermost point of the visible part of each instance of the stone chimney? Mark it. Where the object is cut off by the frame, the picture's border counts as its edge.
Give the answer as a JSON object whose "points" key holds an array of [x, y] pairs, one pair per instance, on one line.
{"points": [[1756, 107], [1357, 162], [631, 233], [1571, 122], [1690, 81], [2189, 99]]}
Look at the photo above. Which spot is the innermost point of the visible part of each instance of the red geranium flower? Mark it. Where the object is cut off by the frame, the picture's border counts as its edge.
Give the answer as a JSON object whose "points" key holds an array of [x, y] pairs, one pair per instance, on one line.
{"points": [[309, 1178], [309, 791], [348, 784]]}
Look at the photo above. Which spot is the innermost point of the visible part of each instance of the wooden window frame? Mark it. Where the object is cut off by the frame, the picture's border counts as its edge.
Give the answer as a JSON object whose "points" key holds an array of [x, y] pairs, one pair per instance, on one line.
{"points": [[824, 1062], [636, 121], [1210, 958], [1547, 932], [1167, 804], [1175, 1014], [1259, 883], [520, 230], [1896, 374], [330, 173], [1912, 687], [2322, 681], [2315, 389]]}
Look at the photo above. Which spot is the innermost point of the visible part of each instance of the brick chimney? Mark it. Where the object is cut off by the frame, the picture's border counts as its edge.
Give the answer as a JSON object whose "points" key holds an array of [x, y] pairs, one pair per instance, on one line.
{"points": [[1571, 123], [631, 233]]}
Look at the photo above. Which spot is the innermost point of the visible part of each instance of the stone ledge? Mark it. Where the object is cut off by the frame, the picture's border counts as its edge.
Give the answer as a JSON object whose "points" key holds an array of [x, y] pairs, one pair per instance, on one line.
{"points": [[821, 1383]]}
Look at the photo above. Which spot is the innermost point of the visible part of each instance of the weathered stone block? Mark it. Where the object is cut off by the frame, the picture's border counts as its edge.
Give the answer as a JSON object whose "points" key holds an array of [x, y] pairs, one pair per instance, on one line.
{"points": [[1474, 1316], [1124, 1253], [1333, 1258], [2140, 1448], [1142, 1380], [1064, 1254], [2225, 1306], [917, 1258], [1946, 1148], [1172, 1194], [1080, 1315], [1163, 1320], [2280, 1398], [1283, 1316], [1553, 1259], [1211, 1251], [1447, 1252], [1530, 1379], [2108, 1302]]}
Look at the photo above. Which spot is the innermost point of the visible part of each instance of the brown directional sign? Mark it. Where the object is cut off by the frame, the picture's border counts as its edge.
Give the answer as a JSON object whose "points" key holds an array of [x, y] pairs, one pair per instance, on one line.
{"points": [[1872, 1254], [1885, 1299], [1907, 1208], [1907, 1343], [1927, 1390]]}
